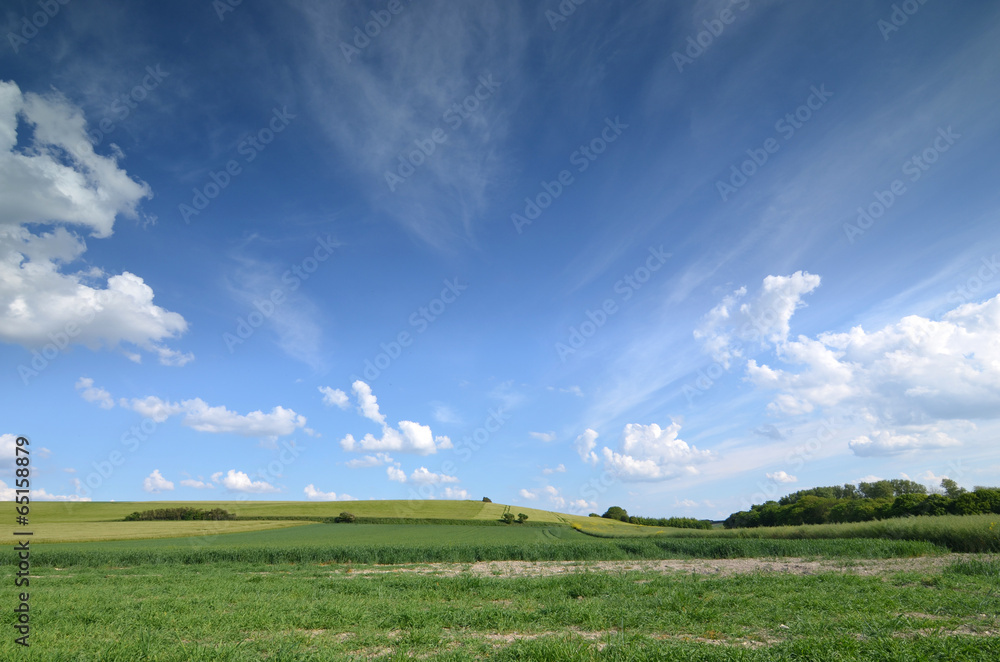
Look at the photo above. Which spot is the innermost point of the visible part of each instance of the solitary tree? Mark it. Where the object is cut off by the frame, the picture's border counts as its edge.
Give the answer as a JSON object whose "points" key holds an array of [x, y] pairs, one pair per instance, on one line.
{"points": [[487, 500], [346, 517], [521, 517], [508, 518], [616, 512]]}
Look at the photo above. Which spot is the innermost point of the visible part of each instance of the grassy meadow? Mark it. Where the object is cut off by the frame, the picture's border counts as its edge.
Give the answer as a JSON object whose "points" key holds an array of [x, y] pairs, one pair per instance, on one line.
{"points": [[565, 588]]}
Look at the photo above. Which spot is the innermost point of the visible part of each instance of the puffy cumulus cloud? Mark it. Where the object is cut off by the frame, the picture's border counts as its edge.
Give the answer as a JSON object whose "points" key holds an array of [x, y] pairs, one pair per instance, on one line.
{"points": [[906, 380], [396, 474], [205, 418], [454, 493], [91, 393], [544, 436], [367, 403], [334, 397], [411, 437], [585, 444], [237, 481], [376, 460], [425, 477], [57, 176], [52, 175], [555, 498], [528, 494], [155, 482], [888, 442], [763, 319], [279, 422], [315, 495], [781, 477], [650, 453], [685, 503]]}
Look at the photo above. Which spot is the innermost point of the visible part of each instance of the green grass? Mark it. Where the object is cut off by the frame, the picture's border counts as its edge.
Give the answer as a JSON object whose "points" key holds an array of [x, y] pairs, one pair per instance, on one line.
{"points": [[959, 533], [374, 543], [236, 612]]}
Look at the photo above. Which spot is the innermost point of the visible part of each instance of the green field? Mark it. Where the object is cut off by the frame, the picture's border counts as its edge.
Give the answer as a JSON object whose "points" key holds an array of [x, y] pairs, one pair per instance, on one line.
{"points": [[316, 591]]}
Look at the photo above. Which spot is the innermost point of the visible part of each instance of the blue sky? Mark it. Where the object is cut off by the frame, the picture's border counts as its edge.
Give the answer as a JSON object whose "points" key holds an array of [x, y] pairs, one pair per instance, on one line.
{"points": [[678, 257]]}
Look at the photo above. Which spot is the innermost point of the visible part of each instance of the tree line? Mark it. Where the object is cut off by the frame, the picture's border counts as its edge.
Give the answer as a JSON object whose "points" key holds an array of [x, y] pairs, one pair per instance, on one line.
{"points": [[619, 513], [177, 514], [867, 501]]}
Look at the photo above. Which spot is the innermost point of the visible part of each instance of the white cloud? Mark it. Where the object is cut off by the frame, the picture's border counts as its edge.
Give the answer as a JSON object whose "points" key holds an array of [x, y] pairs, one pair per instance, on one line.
{"points": [[528, 494], [582, 504], [554, 497], [205, 418], [155, 482], [376, 460], [237, 481], [38, 494], [781, 477], [367, 403], [558, 470], [277, 423], [90, 393], [912, 372], [585, 444], [764, 319], [544, 436], [55, 177], [685, 503], [334, 397], [887, 442], [409, 438], [315, 495], [396, 474], [454, 493], [425, 477], [649, 453]]}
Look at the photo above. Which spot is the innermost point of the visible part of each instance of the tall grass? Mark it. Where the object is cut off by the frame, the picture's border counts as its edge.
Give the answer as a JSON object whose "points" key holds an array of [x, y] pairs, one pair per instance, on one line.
{"points": [[959, 533], [377, 544]]}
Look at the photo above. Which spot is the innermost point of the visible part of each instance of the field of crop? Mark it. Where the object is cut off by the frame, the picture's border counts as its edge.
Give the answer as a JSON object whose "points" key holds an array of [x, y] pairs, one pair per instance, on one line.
{"points": [[959, 533], [314, 591]]}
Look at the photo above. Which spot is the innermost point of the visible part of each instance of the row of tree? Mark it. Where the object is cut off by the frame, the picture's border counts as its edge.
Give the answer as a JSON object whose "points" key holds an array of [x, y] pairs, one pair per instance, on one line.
{"points": [[864, 502], [179, 514], [619, 513]]}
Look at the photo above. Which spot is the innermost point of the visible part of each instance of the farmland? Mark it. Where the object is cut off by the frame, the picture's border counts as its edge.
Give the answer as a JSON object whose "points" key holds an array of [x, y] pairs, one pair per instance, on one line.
{"points": [[302, 590]]}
